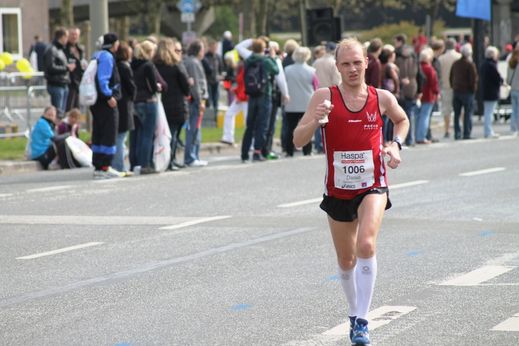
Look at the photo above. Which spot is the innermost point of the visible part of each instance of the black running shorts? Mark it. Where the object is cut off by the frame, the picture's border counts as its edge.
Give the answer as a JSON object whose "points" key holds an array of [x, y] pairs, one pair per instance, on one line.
{"points": [[345, 210]]}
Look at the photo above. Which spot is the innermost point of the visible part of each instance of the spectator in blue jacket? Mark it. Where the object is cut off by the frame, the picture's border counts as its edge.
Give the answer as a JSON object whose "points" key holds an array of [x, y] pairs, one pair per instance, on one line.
{"points": [[104, 111], [43, 149]]}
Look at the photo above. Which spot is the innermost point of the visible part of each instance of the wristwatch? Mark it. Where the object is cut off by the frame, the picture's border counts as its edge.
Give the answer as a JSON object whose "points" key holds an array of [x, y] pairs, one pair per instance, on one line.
{"points": [[398, 141]]}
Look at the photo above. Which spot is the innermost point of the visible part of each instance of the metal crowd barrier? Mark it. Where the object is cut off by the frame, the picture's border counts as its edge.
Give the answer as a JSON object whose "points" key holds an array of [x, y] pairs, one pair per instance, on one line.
{"points": [[13, 87]]}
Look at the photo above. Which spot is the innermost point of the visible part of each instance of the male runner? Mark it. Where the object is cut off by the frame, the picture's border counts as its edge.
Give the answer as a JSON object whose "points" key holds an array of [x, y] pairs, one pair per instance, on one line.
{"points": [[356, 190]]}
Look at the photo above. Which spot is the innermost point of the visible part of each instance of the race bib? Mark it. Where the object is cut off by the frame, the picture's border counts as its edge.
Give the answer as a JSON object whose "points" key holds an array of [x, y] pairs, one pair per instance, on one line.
{"points": [[353, 170]]}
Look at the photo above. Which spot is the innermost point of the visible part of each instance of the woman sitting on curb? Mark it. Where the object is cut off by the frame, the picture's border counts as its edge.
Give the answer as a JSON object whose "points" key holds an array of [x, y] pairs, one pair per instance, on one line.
{"points": [[43, 149]]}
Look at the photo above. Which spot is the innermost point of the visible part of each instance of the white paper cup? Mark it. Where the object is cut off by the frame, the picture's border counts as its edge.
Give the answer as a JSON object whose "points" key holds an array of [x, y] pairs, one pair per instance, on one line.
{"points": [[327, 104]]}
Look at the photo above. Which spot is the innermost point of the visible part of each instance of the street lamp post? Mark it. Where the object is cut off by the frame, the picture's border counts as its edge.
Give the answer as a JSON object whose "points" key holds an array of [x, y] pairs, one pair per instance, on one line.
{"points": [[98, 12]]}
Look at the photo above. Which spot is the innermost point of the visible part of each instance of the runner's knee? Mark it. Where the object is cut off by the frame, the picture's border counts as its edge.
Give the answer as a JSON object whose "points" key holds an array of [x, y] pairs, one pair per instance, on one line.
{"points": [[366, 248], [346, 262]]}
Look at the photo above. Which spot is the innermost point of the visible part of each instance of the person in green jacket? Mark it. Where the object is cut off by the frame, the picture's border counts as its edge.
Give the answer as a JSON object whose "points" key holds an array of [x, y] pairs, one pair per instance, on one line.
{"points": [[260, 70]]}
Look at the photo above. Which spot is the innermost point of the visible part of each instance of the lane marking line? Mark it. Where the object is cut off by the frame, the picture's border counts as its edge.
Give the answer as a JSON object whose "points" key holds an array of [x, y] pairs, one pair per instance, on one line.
{"points": [[50, 188], [147, 267], [377, 318], [6, 195], [482, 171], [58, 251], [316, 200], [477, 276], [87, 220], [196, 222], [509, 325], [296, 204], [411, 183]]}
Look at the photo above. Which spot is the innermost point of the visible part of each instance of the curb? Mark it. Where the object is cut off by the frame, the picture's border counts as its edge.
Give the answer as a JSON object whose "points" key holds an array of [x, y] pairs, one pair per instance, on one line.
{"points": [[12, 167], [15, 167], [219, 148]]}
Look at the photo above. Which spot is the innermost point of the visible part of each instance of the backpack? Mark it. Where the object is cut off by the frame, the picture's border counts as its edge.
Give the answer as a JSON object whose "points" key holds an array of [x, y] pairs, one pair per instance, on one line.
{"points": [[255, 77], [87, 86]]}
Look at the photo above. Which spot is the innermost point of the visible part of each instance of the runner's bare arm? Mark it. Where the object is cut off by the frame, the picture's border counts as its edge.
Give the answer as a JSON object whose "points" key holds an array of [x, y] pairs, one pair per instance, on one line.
{"points": [[390, 107], [315, 111]]}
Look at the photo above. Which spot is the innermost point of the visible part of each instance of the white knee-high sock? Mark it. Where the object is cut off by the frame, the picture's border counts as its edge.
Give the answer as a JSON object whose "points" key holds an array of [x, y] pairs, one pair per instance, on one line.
{"points": [[347, 278], [365, 276]]}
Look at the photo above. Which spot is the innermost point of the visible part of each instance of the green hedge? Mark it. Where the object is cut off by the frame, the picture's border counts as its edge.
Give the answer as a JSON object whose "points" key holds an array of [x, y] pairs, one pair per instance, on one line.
{"points": [[388, 31]]}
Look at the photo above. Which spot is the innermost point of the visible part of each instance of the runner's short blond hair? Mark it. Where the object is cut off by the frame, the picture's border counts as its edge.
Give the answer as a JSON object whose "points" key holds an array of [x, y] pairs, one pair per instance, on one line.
{"points": [[348, 43]]}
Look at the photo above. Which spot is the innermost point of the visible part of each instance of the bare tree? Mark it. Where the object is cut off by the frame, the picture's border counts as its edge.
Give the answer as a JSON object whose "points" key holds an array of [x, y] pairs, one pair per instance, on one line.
{"points": [[67, 13]]}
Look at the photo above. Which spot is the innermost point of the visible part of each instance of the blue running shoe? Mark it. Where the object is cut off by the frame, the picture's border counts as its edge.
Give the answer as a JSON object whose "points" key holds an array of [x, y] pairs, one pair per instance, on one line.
{"points": [[360, 333], [352, 325]]}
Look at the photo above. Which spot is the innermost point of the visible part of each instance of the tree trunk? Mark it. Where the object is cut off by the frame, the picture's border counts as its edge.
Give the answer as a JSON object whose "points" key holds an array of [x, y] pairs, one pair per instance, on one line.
{"points": [[155, 16], [262, 18], [433, 12], [249, 22], [125, 27], [67, 13], [337, 7]]}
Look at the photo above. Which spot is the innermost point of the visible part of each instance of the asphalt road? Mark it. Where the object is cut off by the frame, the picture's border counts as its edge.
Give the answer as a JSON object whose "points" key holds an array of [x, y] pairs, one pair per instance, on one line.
{"points": [[240, 254]]}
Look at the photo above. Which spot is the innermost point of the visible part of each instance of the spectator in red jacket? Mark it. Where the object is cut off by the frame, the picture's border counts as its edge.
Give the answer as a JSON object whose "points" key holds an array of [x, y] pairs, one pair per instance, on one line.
{"points": [[430, 91], [239, 103], [419, 41]]}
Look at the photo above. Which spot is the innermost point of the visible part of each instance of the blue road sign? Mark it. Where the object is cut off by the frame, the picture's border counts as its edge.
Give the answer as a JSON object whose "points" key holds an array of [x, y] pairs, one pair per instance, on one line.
{"points": [[188, 6]]}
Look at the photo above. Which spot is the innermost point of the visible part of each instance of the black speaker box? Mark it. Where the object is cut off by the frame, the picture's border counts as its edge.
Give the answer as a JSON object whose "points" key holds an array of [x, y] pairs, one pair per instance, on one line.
{"points": [[322, 26]]}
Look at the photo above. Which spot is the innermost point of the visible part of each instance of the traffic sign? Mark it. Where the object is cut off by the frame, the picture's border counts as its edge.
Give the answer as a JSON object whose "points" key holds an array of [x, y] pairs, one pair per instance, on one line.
{"points": [[188, 6], [186, 17]]}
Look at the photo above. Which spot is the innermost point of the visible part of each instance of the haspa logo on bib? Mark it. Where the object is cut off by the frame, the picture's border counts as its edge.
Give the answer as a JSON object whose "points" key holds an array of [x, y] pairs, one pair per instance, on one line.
{"points": [[371, 117]]}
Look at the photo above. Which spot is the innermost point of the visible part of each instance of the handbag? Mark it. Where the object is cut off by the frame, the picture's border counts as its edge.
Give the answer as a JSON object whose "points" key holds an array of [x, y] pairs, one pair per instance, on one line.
{"points": [[80, 151], [162, 141], [504, 91]]}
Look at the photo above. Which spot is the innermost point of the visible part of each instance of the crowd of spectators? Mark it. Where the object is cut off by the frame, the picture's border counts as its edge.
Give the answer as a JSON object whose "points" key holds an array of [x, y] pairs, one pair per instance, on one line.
{"points": [[425, 75]]}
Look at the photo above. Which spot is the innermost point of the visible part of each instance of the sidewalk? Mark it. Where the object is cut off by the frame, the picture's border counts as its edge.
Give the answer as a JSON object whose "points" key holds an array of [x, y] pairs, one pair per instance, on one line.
{"points": [[9, 167], [207, 149]]}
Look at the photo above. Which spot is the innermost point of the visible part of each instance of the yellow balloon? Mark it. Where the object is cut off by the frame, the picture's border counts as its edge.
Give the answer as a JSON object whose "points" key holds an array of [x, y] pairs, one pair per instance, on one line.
{"points": [[28, 73], [6, 58], [23, 65], [2, 65]]}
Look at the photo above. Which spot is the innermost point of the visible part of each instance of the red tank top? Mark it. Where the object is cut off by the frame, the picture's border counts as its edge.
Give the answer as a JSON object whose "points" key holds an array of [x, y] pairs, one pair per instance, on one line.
{"points": [[353, 143]]}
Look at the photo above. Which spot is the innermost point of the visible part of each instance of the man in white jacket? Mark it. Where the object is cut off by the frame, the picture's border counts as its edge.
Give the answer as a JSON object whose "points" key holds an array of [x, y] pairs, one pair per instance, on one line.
{"points": [[446, 60]]}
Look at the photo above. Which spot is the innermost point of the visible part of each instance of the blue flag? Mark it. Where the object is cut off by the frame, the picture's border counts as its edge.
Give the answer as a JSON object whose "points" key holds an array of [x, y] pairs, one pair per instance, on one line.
{"points": [[479, 9]]}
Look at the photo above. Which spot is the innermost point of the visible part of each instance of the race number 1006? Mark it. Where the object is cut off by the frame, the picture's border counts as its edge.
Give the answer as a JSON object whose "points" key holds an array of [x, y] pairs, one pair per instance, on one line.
{"points": [[353, 169]]}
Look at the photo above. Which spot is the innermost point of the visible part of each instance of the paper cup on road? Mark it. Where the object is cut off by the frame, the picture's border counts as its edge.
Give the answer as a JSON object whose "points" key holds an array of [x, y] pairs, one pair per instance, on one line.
{"points": [[327, 104]]}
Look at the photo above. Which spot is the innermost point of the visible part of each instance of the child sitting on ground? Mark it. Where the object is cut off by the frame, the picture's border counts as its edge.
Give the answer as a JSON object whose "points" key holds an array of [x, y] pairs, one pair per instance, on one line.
{"points": [[71, 123]]}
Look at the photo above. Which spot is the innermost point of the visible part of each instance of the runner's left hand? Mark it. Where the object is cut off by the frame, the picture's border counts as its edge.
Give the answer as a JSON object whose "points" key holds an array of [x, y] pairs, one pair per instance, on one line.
{"points": [[394, 155]]}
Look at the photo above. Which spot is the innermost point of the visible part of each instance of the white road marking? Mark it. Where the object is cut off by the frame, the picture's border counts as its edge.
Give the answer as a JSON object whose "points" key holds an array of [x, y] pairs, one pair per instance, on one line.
{"points": [[296, 204], [92, 220], [6, 195], [146, 267], [317, 200], [377, 318], [195, 222], [482, 171], [507, 257], [50, 188], [58, 251], [478, 276], [411, 183], [509, 325]]}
